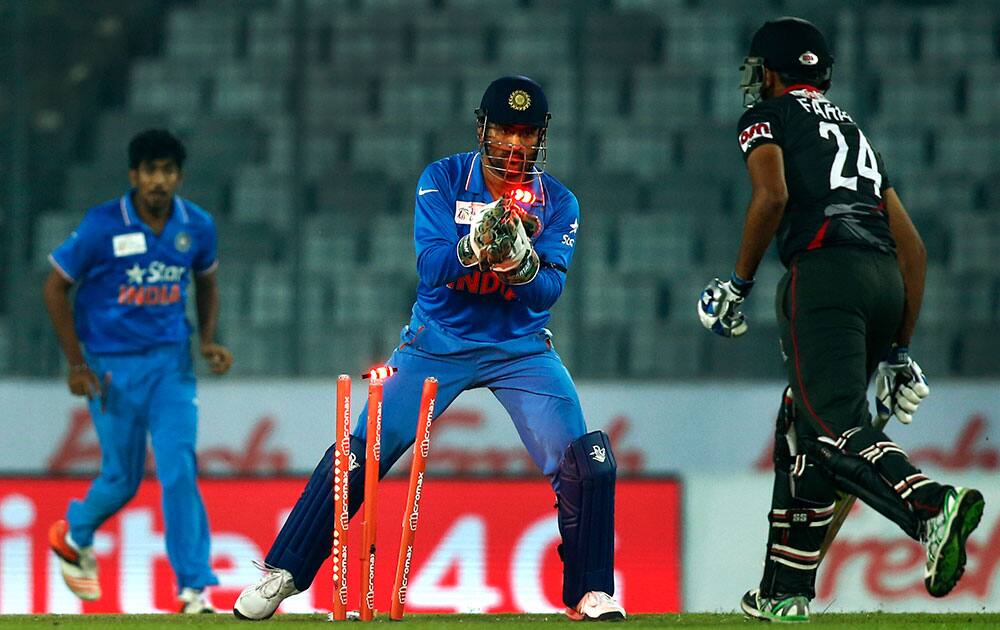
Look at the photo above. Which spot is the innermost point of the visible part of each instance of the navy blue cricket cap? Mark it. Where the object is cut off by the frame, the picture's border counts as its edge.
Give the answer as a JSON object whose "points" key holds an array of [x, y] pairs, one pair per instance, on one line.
{"points": [[515, 100]]}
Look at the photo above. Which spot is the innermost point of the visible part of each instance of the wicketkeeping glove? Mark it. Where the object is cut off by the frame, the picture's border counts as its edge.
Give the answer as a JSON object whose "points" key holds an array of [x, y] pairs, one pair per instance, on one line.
{"points": [[900, 386], [500, 232], [719, 306], [509, 244], [484, 222]]}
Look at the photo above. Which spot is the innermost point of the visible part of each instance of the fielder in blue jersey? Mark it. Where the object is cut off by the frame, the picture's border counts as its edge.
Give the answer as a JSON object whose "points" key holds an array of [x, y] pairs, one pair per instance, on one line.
{"points": [[494, 238], [127, 342]]}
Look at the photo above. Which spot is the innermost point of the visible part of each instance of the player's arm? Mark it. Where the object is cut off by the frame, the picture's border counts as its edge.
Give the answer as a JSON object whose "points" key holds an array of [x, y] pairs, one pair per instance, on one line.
{"points": [[55, 291], [900, 384], [206, 296], [767, 206], [434, 235], [760, 138], [542, 292], [912, 256], [554, 248], [719, 306], [207, 306]]}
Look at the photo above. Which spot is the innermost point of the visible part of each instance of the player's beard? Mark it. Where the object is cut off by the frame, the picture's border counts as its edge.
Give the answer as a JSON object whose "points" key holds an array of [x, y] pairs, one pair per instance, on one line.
{"points": [[511, 164], [157, 202]]}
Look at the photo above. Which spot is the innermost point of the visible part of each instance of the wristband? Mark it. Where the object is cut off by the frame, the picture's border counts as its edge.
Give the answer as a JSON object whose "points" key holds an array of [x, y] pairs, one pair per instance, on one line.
{"points": [[742, 287], [897, 355], [466, 255]]}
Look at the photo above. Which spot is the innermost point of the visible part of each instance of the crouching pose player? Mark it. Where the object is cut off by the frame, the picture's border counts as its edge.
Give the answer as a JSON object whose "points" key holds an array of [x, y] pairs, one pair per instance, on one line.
{"points": [[494, 238], [847, 306]]}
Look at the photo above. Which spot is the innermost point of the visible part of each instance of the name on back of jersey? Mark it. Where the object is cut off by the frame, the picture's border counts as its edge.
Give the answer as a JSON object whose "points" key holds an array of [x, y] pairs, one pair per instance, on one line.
{"points": [[822, 108]]}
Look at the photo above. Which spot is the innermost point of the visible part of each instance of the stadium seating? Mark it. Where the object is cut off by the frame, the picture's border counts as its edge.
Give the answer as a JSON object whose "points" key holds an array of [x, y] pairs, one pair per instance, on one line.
{"points": [[645, 100]]}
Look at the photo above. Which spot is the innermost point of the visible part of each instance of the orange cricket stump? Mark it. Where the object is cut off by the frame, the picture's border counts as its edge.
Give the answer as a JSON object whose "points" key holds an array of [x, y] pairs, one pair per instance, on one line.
{"points": [[341, 470], [421, 447], [372, 451]]}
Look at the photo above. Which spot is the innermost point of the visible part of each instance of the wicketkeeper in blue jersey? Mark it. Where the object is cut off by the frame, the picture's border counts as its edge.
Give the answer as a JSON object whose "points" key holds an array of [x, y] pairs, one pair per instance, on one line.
{"points": [[494, 239], [127, 343]]}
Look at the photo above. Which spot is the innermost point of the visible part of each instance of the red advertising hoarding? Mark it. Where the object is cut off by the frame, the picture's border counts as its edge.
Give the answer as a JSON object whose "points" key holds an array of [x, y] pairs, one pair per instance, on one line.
{"points": [[482, 545]]}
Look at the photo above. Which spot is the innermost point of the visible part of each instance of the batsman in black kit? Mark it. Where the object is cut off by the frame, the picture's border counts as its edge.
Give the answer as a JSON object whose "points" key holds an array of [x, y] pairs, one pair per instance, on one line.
{"points": [[846, 308]]}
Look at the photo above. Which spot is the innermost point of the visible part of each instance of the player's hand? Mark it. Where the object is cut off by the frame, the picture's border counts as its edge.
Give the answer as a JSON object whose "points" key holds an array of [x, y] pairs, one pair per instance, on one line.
{"points": [[218, 356], [524, 272], [719, 308], [509, 244], [900, 386], [509, 252], [83, 382], [494, 231], [470, 246]]}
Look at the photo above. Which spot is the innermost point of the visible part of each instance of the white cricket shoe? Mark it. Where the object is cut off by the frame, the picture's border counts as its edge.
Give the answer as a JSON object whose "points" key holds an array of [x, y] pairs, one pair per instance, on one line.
{"points": [[945, 536], [78, 565], [193, 601], [262, 599], [597, 606], [781, 609]]}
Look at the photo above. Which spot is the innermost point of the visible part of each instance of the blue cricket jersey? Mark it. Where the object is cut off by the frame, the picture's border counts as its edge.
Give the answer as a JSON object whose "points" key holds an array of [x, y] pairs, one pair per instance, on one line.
{"points": [[469, 303], [133, 283]]}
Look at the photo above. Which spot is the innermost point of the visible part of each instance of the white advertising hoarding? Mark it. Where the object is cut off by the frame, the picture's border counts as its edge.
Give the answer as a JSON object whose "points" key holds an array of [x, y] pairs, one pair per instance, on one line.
{"points": [[267, 426], [871, 565]]}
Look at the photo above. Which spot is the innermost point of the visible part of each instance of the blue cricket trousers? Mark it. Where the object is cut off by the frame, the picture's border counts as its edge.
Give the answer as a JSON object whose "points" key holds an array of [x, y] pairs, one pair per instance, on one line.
{"points": [[150, 392], [526, 375]]}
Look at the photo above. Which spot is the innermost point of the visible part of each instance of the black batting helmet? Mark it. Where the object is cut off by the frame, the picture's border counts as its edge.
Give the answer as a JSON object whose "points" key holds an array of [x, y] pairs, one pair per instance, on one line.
{"points": [[792, 47]]}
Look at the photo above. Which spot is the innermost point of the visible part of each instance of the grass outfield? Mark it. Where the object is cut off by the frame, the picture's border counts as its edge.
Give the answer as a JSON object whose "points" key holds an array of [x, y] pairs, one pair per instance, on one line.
{"points": [[464, 622]]}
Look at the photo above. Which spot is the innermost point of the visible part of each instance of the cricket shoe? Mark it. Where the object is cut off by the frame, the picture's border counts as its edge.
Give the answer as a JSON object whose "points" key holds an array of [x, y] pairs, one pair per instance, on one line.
{"points": [[78, 565], [262, 599], [945, 536], [597, 606], [193, 602], [781, 609]]}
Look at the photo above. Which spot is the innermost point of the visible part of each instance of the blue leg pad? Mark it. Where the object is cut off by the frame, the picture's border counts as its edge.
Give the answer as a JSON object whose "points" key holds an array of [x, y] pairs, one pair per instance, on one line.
{"points": [[586, 497], [304, 540]]}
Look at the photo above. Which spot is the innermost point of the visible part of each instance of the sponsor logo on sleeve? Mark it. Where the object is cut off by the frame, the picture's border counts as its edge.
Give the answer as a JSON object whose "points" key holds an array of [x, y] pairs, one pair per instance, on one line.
{"points": [[754, 131], [568, 240], [129, 244]]}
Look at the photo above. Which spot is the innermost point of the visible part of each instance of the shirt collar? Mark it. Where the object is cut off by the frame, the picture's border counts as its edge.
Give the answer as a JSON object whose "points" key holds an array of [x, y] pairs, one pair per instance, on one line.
{"points": [[180, 210], [474, 181], [130, 217], [801, 86]]}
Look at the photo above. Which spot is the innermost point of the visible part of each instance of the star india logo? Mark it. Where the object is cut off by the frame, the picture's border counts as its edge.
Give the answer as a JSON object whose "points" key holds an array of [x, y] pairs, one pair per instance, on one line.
{"points": [[519, 100]]}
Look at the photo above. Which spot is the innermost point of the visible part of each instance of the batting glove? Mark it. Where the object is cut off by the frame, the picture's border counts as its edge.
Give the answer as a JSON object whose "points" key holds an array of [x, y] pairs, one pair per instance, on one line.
{"points": [[900, 386], [719, 306]]}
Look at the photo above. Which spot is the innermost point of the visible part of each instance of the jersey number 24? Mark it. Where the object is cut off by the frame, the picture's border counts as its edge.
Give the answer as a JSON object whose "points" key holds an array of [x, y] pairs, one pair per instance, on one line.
{"points": [[866, 162]]}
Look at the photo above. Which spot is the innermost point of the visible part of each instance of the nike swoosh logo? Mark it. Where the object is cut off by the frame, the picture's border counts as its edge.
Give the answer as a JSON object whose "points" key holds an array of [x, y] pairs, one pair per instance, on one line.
{"points": [[423, 191]]}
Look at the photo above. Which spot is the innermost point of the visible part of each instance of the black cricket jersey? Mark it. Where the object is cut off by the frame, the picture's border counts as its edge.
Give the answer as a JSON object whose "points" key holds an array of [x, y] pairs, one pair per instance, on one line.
{"points": [[835, 178]]}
